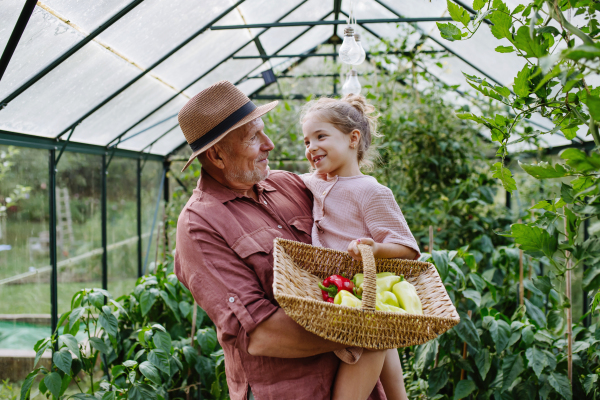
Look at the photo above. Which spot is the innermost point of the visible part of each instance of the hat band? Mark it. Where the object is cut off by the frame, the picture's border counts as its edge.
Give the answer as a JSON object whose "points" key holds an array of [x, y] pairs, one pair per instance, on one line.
{"points": [[223, 126]]}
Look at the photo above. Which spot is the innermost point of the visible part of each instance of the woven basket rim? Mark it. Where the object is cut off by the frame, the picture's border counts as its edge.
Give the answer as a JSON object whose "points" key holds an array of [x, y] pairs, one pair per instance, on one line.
{"points": [[395, 314]]}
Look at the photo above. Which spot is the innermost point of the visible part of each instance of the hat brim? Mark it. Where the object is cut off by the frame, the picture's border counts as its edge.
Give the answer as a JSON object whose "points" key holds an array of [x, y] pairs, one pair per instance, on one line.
{"points": [[259, 111]]}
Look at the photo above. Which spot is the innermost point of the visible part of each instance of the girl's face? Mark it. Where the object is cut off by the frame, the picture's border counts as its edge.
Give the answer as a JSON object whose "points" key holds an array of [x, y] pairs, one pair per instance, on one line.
{"points": [[329, 150]]}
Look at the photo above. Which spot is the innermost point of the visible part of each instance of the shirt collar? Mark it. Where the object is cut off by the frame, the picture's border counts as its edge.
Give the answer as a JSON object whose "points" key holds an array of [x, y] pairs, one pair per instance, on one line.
{"points": [[210, 185]]}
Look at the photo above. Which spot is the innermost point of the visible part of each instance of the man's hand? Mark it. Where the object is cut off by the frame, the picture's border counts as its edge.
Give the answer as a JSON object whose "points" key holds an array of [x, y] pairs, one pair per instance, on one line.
{"points": [[353, 247], [280, 336]]}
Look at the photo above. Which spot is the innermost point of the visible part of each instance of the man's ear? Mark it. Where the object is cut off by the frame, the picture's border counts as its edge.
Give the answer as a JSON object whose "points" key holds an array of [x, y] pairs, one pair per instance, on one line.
{"points": [[214, 155]]}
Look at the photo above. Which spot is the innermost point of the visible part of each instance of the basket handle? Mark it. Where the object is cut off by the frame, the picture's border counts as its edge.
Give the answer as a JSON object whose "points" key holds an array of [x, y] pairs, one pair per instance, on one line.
{"points": [[370, 279]]}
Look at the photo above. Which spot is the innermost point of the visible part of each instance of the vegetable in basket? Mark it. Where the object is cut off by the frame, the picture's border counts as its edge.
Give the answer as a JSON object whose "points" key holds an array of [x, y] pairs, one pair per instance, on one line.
{"points": [[346, 298], [385, 281], [334, 284], [407, 297], [386, 301]]}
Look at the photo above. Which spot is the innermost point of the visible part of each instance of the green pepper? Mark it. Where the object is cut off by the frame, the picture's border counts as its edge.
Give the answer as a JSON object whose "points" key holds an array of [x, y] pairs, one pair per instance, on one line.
{"points": [[381, 305], [388, 298], [408, 298], [345, 298]]}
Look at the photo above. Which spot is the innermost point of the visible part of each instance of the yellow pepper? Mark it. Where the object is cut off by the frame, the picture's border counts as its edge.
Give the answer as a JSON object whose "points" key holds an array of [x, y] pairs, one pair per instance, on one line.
{"points": [[381, 305], [408, 298], [346, 298], [385, 284]]}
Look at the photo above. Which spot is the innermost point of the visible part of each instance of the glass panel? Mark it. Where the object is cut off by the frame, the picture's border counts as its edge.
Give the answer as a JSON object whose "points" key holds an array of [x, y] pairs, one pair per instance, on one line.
{"points": [[123, 111], [203, 53], [251, 85], [313, 10], [78, 235], [140, 141], [9, 14], [170, 142], [153, 28], [122, 225], [45, 38], [406, 8], [232, 70], [151, 177], [311, 39], [65, 94], [88, 15], [24, 257]]}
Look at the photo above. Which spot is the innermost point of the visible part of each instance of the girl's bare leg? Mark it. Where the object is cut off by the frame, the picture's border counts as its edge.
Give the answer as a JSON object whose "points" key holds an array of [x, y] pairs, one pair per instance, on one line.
{"points": [[391, 376], [356, 381]]}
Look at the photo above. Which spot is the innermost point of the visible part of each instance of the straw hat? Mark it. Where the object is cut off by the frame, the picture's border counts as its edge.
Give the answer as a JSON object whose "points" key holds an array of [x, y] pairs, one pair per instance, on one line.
{"points": [[213, 113]]}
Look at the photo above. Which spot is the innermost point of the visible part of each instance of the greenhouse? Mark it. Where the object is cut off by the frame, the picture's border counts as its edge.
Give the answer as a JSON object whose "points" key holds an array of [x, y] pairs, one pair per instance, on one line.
{"points": [[486, 137]]}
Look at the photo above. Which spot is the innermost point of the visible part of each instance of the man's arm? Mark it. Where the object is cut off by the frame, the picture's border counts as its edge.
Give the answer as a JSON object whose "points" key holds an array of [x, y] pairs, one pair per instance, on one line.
{"points": [[280, 336]]}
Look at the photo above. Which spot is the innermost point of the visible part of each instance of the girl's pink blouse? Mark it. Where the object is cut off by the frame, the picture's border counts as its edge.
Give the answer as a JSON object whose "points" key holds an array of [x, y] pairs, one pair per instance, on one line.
{"points": [[349, 208]]}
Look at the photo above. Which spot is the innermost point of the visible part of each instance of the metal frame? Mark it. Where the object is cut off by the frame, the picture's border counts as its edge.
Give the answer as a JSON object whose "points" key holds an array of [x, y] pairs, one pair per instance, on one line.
{"points": [[15, 36], [404, 53], [70, 52], [334, 22]]}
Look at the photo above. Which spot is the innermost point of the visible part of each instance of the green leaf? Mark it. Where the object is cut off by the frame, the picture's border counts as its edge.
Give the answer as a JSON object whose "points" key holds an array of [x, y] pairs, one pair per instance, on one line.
{"points": [[162, 340], [109, 323], [458, 13], [53, 382], [543, 283], [190, 354], [502, 21], [580, 161], [521, 87], [478, 4], [147, 300], [512, 367], [440, 259], [150, 372], [532, 238], [109, 396], [172, 304], [527, 335], [561, 384], [463, 389], [160, 359], [477, 281], [500, 332], [449, 31], [543, 170], [75, 315], [26, 386], [473, 295], [96, 299], [62, 359], [593, 103], [41, 352], [130, 363], [531, 287], [590, 382], [207, 339], [483, 362], [425, 355], [184, 308], [438, 377], [505, 176], [467, 332], [584, 51], [536, 47], [99, 345], [66, 380], [505, 49], [536, 359], [71, 342], [536, 315]]}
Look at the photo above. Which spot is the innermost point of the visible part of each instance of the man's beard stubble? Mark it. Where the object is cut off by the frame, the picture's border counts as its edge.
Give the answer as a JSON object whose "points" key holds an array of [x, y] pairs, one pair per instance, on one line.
{"points": [[236, 174]]}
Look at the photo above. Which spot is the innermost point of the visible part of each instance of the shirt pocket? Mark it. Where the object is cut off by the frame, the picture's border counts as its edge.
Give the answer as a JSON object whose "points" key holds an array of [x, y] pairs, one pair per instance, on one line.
{"points": [[302, 225], [258, 241]]}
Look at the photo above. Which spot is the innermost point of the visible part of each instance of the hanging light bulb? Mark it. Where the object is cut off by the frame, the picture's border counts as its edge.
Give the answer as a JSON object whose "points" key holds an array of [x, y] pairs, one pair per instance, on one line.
{"points": [[349, 50], [352, 85], [363, 55]]}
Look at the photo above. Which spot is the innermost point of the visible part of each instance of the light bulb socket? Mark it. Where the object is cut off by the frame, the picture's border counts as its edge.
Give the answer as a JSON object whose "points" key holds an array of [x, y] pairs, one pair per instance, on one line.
{"points": [[348, 31], [357, 37], [352, 72]]}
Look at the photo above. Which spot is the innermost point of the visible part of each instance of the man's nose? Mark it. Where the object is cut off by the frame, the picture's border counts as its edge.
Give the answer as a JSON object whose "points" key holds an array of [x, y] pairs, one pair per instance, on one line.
{"points": [[267, 144]]}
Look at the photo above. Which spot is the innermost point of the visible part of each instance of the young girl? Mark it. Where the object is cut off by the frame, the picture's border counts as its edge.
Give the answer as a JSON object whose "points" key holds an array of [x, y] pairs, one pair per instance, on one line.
{"points": [[351, 208]]}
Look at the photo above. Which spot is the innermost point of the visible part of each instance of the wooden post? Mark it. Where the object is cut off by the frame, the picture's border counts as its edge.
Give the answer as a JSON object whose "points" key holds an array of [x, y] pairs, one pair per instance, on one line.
{"points": [[570, 309], [430, 238], [462, 371], [521, 287]]}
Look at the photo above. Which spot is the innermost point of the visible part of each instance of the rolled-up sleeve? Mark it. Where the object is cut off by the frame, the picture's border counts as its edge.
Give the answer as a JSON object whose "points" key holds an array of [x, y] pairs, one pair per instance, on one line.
{"points": [[385, 220], [221, 282]]}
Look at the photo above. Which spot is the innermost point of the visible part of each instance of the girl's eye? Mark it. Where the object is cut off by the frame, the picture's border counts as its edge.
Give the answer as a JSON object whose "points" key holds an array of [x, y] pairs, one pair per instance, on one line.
{"points": [[321, 136]]}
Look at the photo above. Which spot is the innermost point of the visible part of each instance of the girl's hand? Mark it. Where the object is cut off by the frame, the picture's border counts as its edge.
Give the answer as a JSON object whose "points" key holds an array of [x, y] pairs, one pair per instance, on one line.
{"points": [[353, 247]]}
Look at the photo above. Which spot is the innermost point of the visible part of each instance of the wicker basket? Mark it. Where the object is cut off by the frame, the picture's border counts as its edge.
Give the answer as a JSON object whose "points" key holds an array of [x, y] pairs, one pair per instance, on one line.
{"points": [[300, 267]]}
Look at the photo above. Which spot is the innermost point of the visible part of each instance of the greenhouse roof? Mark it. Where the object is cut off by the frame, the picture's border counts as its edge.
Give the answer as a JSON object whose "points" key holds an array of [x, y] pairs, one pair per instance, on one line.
{"points": [[113, 74]]}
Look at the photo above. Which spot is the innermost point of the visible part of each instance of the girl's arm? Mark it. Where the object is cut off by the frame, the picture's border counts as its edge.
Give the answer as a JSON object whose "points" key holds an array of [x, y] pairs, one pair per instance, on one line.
{"points": [[382, 250]]}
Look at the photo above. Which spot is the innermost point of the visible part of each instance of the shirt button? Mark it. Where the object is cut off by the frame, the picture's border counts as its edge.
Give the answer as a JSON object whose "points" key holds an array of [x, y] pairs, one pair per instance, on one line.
{"points": [[264, 201], [280, 227], [231, 299], [324, 193]]}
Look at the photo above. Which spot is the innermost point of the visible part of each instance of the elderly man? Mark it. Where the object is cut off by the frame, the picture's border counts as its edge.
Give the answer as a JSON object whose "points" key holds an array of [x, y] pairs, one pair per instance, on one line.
{"points": [[224, 251]]}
